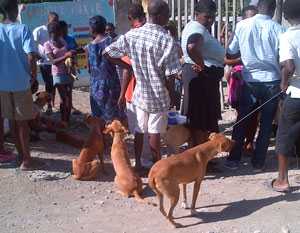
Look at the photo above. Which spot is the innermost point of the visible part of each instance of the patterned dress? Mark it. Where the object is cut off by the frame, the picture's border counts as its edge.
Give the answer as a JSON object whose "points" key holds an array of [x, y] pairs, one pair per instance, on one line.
{"points": [[104, 83]]}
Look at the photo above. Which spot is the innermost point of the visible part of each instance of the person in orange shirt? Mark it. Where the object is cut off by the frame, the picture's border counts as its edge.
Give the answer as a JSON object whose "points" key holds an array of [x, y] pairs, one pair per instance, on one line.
{"points": [[137, 18]]}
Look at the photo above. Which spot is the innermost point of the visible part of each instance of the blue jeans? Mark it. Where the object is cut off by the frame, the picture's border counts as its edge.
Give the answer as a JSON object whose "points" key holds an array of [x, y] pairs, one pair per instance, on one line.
{"points": [[251, 93]]}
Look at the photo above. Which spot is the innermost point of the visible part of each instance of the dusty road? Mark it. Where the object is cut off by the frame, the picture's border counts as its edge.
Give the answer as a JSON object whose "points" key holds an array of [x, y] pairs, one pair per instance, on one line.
{"points": [[229, 202]]}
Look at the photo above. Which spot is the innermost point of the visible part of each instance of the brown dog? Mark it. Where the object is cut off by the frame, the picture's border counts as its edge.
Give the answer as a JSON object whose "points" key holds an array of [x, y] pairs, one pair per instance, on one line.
{"points": [[86, 167], [189, 166], [126, 180], [177, 135], [41, 99]]}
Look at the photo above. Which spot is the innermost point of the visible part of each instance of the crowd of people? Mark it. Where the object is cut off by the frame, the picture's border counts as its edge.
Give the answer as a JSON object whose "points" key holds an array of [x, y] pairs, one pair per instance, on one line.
{"points": [[134, 77]]}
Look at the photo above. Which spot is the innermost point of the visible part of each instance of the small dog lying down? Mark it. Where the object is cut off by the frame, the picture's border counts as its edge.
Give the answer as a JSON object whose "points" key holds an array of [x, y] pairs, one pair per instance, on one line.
{"points": [[86, 167], [190, 166], [36, 125], [126, 180]]}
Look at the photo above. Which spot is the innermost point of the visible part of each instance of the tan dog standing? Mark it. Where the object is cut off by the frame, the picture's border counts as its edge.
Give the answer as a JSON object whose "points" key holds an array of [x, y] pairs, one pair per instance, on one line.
{"points": [[126, 180], [189, 166], [86, 167], [176, 136]]}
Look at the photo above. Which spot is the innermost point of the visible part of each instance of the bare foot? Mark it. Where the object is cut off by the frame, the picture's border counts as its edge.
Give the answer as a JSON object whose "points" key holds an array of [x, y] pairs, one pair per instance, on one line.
{"points": [[280, 186], [27, 165]]}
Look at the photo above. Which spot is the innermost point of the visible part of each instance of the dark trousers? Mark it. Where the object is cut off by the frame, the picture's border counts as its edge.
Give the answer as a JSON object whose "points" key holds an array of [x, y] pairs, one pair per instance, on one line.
{"points": [[288, 132], [47, 77], [251, 93]]}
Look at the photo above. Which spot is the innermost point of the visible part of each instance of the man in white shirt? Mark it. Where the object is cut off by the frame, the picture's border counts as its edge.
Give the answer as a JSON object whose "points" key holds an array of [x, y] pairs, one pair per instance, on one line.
{"points": [[40, 35], [289, 125], [257, 40]]}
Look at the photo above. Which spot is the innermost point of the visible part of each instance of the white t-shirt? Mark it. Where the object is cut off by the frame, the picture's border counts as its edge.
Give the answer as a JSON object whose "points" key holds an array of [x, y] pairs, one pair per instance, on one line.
{"points": [[41, 36], [257, 39], [212, 51], [289, 49]]}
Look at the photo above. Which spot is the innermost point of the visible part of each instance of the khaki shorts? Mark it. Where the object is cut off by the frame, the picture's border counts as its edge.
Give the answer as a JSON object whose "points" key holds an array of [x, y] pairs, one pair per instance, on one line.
{"points": [[153, 123], [16, 105]]}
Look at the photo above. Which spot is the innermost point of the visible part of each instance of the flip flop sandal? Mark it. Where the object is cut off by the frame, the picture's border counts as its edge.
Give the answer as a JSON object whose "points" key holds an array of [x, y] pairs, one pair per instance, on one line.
{"points": [[6, 157], [280, 190]]}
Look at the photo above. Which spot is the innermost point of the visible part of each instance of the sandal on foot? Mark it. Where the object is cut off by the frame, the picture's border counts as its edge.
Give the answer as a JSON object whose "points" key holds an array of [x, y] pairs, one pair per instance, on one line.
{"points": [[279, 189]]}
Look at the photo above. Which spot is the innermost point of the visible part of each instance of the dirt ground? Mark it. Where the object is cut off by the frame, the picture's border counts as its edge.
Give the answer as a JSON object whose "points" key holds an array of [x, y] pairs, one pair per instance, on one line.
{"points": [[229, 202]]}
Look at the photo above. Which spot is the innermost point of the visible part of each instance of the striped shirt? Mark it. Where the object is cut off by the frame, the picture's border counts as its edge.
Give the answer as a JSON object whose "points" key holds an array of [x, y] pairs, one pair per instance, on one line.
{"points": [[257, 39], [154, 57]]}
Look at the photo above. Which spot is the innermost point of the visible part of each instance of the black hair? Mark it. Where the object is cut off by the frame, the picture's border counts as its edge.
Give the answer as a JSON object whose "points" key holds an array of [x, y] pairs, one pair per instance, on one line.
{"points": [[157, 7], [9, 9], [270, 5], [206, 6], [54, 27], [172, 28], [111, 25], [63, 24], [291, 9], [98, 24], [136, 11], [54, 14], [249, 8]]}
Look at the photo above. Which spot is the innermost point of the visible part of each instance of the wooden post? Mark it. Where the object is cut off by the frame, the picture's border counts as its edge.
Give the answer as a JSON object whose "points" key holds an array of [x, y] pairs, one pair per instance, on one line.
{"points": [[192, 9], [226, 22], [219, 38], [234, 13], [186, 15], [179, 18], [242, 4], [278, 14], [173, 10], [219, 19]]}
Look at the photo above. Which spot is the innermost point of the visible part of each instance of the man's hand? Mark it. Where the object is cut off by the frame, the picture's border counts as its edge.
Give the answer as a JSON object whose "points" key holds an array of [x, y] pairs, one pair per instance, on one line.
{"points": [[197, 68]]}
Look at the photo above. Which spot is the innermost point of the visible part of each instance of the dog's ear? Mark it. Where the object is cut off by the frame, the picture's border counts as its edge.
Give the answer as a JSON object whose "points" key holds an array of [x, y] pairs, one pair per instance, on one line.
{"points": [[107, 129], [226, 145], [125, 130], [212, 136]]}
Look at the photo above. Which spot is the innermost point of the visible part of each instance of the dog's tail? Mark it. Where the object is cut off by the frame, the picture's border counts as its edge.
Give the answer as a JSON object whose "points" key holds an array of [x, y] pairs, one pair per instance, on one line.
{"points": [[139, 199]]}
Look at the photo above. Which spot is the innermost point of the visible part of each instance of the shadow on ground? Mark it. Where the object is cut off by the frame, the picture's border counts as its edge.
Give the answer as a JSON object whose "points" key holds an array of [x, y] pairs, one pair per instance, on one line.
{"points": [[240, 209]]}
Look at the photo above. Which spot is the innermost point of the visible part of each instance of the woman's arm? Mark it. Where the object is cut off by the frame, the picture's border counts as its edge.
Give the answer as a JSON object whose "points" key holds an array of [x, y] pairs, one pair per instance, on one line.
{"points": [[127, 75], [194, 45], [233, 61], [58, 60]]}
